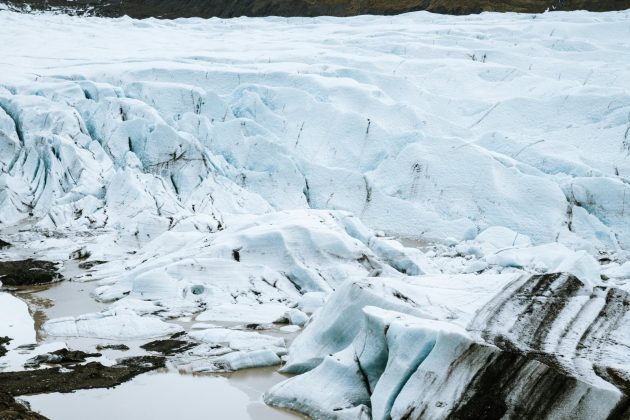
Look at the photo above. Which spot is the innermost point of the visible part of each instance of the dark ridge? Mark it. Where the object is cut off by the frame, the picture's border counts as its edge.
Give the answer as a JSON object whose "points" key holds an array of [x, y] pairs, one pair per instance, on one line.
{"points": [[171, 9]]}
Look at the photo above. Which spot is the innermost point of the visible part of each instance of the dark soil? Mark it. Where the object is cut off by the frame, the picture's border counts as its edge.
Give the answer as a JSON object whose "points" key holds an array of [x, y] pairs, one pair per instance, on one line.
{"points": [[170, 9], [88, 376], [4, 244], [168, 347], [28, 272]]}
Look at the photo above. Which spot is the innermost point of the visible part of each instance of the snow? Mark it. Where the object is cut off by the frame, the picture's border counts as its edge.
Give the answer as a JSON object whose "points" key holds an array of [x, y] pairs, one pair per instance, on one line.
{"points": [[16, 322]]}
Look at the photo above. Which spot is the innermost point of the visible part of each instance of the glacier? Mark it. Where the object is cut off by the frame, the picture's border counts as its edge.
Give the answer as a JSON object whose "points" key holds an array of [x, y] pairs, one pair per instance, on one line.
{"points": [[419, 216]]}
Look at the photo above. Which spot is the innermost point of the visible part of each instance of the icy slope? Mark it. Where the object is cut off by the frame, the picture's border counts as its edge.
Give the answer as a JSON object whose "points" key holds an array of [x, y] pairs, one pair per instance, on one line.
{"points": [[416, 126], [224, 176]]}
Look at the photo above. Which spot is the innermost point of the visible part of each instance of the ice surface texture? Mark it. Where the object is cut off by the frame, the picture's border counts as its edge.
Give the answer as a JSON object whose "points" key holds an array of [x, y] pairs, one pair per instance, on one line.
{"points": [[247, 171]]}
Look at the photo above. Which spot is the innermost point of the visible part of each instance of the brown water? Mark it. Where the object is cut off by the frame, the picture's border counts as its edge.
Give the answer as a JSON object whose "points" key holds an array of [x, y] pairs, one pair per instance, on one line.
{"points": [[167, 394]]}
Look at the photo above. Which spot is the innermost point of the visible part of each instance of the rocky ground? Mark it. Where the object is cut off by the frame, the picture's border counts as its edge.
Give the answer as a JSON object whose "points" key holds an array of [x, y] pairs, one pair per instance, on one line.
{"points": [[170, 9]]}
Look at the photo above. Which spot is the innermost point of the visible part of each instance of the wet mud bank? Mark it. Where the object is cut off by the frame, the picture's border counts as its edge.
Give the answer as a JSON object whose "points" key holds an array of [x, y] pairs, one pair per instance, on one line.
{"points": [[78, 376], [170, 9]]}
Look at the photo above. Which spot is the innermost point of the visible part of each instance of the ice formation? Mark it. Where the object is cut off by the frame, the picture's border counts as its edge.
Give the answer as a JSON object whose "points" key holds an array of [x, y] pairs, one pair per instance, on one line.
{"points": [[439, 202]]}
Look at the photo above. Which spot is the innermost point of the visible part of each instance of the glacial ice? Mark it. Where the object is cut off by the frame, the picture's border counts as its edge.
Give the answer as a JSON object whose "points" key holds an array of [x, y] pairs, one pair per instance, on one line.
{"points": [[458, 182], [112, 324]]}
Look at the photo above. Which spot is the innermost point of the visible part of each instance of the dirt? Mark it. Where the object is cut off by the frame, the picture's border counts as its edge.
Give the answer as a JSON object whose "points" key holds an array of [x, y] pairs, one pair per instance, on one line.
{"points": [[71, 378], [171, 9], [28, 272], [170, 346]]}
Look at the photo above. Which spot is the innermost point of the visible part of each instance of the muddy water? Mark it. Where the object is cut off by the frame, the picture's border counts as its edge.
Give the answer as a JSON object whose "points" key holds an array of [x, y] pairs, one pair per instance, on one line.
{"points": [[165, 394], [169, 395]]}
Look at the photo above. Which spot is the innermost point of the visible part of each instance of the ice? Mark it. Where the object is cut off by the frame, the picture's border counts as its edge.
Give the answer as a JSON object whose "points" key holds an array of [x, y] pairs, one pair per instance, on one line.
{"points": [[336, 324], [247, 359], [311, 301], [230, 174], [305, 128], [112, 324], [239, 340], [402, 366], [296, 317]]}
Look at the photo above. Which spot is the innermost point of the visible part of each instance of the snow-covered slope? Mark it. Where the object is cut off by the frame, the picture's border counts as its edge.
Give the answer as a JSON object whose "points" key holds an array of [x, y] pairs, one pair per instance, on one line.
{"points": [[242, 171]]}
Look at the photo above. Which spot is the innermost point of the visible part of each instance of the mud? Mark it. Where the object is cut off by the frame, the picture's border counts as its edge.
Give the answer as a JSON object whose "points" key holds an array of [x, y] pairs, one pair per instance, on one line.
{"points": [[71, 378], [171, 9], [28, 272]]}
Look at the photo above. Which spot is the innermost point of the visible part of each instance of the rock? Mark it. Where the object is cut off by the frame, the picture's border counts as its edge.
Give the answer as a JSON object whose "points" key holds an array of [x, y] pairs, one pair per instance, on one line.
{"points": [[86, 265], [60, 357], [3, 341], [121, 347], [168, 347], [10, 409], [28, 272]]}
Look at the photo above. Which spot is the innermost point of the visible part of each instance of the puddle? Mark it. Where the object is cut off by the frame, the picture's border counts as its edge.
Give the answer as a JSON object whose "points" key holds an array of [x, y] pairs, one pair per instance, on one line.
{"points": [[164, 394], [169, 395]]}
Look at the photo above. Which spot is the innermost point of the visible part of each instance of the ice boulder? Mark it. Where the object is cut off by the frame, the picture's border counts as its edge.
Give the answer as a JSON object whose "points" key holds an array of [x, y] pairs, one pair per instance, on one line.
{"points": [[400, 366], [112, 324]]}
